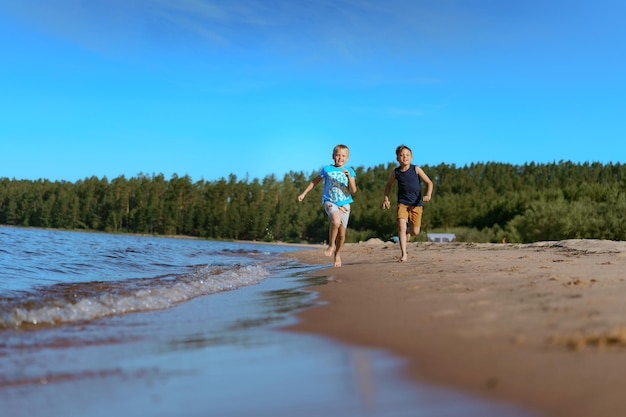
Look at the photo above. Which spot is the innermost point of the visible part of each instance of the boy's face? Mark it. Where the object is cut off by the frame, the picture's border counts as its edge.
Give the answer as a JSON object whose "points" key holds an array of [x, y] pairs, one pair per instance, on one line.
{"points": [[404, 157], [340, 156]]}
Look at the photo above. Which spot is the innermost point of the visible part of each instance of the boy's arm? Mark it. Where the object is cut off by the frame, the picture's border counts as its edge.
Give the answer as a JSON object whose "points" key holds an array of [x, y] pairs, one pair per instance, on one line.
{"points": [[309, 187], [351, 182], [386, 203], [429, 183]]}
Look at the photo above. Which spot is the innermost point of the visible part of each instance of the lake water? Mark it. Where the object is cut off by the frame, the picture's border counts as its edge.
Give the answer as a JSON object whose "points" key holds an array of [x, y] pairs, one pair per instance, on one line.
{"points": [[95, 324]]}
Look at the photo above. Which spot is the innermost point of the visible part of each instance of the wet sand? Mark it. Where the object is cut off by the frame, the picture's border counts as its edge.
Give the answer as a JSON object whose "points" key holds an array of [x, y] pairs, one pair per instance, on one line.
{"points": [[540, 325]]}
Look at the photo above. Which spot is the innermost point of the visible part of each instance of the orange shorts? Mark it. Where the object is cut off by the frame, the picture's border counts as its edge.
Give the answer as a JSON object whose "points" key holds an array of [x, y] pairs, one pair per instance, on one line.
{"points": [[413, 214]]}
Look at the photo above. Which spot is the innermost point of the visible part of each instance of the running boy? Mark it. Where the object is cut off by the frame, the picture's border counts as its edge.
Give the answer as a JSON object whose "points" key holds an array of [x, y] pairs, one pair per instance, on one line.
{"points": [[410, 201], [339, 185]]}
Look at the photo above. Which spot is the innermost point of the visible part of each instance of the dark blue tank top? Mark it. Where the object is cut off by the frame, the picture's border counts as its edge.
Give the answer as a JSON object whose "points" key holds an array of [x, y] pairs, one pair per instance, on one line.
{"points": [[409, 187]]}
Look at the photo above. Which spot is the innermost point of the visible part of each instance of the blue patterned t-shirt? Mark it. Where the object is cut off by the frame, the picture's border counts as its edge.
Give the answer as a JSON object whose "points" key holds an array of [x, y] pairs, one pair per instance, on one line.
{"points": [[336, 187]]}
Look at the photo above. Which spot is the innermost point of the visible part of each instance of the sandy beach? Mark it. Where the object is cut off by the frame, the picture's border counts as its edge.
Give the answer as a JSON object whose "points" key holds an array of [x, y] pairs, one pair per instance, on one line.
{"points": [[539, 325]]}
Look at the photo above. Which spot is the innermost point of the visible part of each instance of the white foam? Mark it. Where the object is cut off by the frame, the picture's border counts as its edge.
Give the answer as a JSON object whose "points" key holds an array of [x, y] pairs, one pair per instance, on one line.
{"points": [[164, 294]]}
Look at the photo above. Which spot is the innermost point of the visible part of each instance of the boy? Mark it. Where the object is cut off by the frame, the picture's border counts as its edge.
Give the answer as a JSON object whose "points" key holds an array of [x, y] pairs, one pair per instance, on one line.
{"points": [[410, 201], [339, 185]]}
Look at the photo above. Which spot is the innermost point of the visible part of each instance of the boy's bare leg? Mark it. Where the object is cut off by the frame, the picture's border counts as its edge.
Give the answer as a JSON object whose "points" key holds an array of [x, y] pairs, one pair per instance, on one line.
{"points": [[333, 231], [341, 238], [403, 237]]}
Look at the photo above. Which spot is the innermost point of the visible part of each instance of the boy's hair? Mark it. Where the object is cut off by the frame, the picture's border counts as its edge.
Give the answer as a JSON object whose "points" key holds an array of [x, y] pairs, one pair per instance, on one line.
{"points": [[401, 148], [339, 148]]}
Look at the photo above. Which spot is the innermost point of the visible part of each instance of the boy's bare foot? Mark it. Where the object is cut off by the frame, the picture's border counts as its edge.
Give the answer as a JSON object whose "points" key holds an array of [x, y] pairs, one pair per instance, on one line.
{"points": [[337, 261], [329, 251]]}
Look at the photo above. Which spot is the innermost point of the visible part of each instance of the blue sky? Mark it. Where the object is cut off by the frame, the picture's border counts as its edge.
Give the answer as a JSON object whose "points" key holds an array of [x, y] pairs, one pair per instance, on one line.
{"points": [[209, 88]]}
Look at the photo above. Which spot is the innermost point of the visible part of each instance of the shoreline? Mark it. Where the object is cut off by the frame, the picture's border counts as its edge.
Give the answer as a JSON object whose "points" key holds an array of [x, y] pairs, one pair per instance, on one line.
{"points": [[541, 325], [278, 242]]}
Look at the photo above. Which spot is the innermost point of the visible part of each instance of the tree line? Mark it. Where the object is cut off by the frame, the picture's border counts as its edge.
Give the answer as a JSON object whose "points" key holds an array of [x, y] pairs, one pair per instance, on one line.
{"points": [[480, 202]]}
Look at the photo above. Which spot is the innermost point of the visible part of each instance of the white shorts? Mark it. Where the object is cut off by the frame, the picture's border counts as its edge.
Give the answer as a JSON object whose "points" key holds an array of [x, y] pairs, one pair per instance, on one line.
{"points": [[344, 212]]}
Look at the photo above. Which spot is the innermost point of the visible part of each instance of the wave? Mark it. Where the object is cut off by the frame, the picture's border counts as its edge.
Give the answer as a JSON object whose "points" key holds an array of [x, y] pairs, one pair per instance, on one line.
{"points": [[75, 302]]}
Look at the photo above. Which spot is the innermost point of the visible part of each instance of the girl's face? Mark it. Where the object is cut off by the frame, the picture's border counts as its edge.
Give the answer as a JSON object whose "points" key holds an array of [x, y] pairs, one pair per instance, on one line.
{"points": [[340, 157], [404, 157]]}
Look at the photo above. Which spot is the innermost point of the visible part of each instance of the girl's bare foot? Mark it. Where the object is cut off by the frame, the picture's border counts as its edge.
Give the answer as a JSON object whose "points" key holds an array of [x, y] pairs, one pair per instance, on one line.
{"points": [[404, 258], [329, 251], [337, 261]]}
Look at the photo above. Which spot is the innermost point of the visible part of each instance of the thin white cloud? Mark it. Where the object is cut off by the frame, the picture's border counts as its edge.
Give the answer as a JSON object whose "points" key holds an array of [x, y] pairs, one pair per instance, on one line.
{"points": [[359, 42], [344, 27]]}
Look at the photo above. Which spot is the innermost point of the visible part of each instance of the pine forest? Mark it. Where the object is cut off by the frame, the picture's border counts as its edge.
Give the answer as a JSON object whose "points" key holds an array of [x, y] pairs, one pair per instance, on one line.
{"points": [[481, 202]]}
